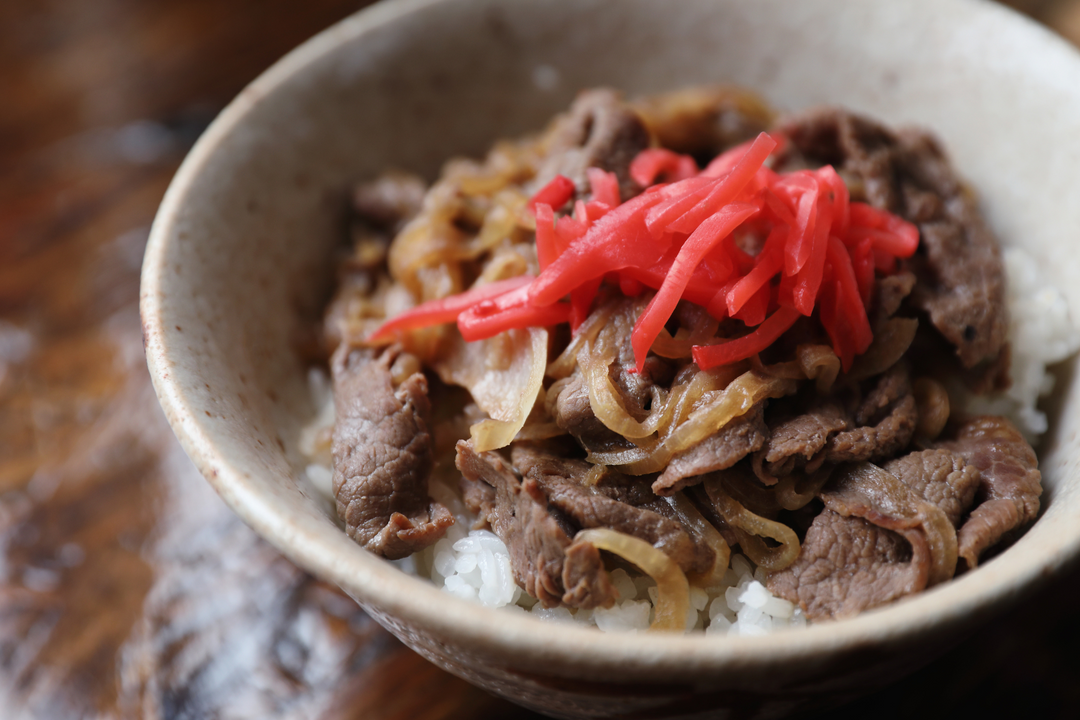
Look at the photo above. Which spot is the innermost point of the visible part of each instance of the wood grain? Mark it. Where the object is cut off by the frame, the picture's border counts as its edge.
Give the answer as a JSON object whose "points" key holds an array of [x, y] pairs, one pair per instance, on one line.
{"points": [[127, 589]]}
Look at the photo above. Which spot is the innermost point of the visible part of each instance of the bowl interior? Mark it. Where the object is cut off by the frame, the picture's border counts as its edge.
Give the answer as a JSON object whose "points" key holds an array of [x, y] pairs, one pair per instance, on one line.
{"points": [[240, 255]]}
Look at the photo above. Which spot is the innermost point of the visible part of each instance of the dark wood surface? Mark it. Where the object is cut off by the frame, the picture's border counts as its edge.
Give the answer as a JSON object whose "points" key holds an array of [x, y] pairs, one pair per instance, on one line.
{"points": [[127, 589]]}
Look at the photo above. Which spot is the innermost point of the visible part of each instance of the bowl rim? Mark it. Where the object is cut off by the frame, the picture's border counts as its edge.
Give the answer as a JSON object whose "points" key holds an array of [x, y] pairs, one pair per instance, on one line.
{"points": [[378, 584]]}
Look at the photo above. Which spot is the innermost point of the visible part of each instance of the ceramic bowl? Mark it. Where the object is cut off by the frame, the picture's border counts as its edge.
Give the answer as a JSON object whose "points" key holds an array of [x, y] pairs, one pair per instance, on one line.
{"points": [[239, 259]]}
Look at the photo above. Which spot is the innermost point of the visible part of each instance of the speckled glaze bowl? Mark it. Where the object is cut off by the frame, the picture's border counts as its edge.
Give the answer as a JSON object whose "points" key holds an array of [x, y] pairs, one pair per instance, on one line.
{"points": [[239, 259]]}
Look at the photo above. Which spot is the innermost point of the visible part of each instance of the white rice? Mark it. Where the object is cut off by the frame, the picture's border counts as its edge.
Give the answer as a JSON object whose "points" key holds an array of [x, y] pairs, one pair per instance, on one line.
{"points": [[1041, 333], [475, 564]]}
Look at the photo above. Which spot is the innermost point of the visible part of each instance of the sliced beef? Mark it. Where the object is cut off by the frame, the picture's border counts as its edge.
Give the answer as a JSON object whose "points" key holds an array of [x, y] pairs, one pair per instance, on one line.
{"points": [[629, 489], [589, 507], [573, 413], [962, 284], [382, 455], [961, 277], [806, 431], [600, 130], [734, 441], [889, 293], [797, 438], [545, 561], [869, 492], [898, 526], [848, 565], [897, 541], [884, 421], [638, 389], [1010, 482], [932, 400], [480, 498], [941, 477], [548, 459]]}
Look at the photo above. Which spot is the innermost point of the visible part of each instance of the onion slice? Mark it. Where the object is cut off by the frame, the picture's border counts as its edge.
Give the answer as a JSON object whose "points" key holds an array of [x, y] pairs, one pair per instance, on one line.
{"points": [[750, 528], [504, 374], [499, 432], [715, 410], [562, 366], [819, 363], [890, 343], [703, 530], [673, 602], [797, 490], [606, 400]]}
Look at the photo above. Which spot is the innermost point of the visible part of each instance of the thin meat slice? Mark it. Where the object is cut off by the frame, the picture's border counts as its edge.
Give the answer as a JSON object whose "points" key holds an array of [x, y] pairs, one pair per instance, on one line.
{"points": [[1010, 486], [588, 507], [382, 455], [961, 275], [876, 495], [939, 476], [888, 295], [848, 565], [796, 440], [740, 437], [802, 434], [600, 130], [544, 562], [876, 541], [629, 489], [963, 288], [480, 498], [573, 413], [885, 421], [881, 528]]}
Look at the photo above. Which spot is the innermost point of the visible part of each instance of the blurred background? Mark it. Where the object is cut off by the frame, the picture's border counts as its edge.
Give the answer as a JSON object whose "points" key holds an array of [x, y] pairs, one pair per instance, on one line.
{"points": [[127, 589]]}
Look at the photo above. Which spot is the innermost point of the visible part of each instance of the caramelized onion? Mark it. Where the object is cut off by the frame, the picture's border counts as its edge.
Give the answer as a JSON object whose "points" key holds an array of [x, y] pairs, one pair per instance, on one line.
{"points": [[700, 332], [624, 459], [499, 222], [819, 363], [704, 531], [673, 601], [505, 263], [796, 490], [539, 431], [594, 476], [720, 407], [562, 366], [672, 347], [504, 375], [695, 414], [716, 409], [750, 528], [890, 343], [430, 239], [606, 400]]}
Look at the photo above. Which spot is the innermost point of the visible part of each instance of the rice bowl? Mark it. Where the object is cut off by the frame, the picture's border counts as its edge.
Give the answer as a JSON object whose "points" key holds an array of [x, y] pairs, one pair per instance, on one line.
{"points": [[270, 171]]}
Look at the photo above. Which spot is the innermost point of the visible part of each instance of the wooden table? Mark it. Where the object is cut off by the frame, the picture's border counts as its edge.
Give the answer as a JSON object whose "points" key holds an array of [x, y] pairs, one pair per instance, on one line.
{"points": [[127, 589]]}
